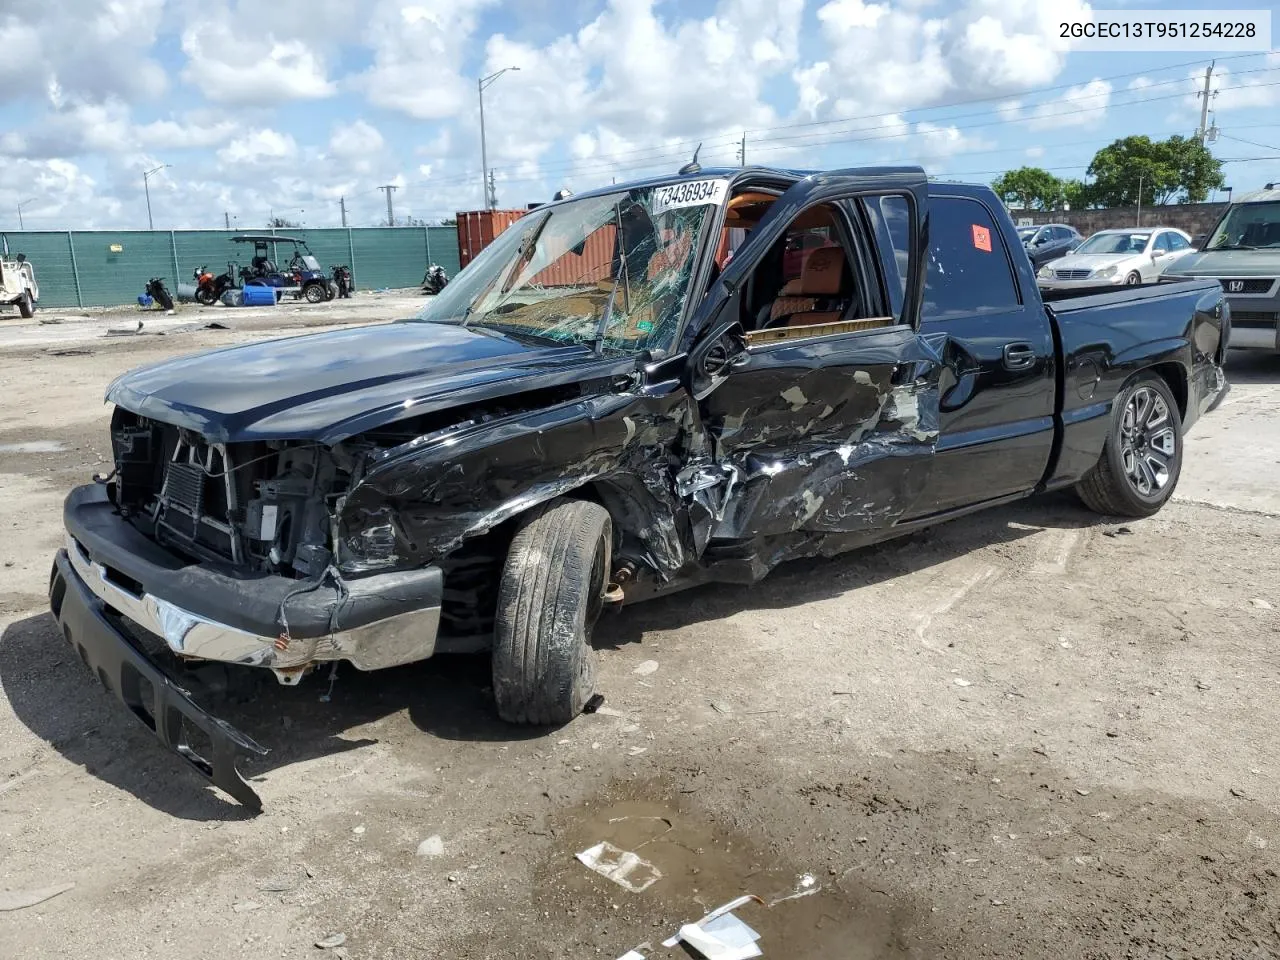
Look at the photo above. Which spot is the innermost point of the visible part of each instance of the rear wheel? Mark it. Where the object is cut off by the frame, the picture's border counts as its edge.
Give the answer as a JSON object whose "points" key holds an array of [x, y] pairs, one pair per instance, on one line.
{"points": [[315, 292], [550, 595], [206, 296], [1133, 279], [26, 306], [1142, 457]]}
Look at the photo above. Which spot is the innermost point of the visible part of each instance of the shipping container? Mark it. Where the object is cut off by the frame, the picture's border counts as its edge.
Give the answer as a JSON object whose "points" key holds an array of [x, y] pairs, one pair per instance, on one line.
{"points": [[477, 229]]}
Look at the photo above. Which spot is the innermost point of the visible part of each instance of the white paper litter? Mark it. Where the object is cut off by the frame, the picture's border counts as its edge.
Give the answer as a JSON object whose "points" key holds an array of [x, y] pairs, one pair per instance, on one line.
{"points": [[720, 935], [623, 867]]}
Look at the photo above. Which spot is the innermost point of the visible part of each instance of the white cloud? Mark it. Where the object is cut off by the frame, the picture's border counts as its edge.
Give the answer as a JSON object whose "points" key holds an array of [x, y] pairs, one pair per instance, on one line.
{"points": [[1080, 106], [251, 67], [1034, 153], [879, 57], [258, 147], [355, 139]]}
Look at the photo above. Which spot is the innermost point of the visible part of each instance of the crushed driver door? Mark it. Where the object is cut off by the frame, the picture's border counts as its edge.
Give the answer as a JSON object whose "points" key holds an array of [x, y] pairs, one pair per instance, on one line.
{"points": [[826, 428]]}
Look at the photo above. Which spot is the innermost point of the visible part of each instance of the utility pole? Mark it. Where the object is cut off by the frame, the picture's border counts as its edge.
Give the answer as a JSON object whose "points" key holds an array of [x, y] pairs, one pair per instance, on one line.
{"points": [[485, 180], [21, 225], [742, 151], [226, 216], [1138, 222], [1204, 94], [147, 190], [342, 204], [391, 217], [493, 193]]}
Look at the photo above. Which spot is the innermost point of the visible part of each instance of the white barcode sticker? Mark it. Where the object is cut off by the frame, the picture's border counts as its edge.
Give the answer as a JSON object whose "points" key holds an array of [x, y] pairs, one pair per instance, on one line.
{"points": [[688, 193]]}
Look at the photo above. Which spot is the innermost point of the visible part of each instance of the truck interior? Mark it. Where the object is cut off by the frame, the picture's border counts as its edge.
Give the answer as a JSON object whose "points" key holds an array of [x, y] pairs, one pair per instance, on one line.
{"points": [[812, 282]]}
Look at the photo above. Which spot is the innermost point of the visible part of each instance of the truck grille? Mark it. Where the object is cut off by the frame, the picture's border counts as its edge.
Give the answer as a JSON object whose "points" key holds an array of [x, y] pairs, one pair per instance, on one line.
{"points": [[1072, 274], [1251, 285]]}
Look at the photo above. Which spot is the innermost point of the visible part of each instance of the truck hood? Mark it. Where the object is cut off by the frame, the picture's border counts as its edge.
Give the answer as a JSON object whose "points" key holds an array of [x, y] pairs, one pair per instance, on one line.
{"points": [[330, 386], [1228, 263]]}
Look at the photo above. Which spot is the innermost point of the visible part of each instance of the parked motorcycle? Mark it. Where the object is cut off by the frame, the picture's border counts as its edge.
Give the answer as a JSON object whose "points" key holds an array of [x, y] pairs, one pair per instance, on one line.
{"points": [[210, 288], [435, 279], [342, 277], [158, 292]]}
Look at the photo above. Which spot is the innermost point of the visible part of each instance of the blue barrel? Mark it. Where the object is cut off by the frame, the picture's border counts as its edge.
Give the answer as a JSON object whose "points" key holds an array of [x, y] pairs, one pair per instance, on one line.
{"points": [[256, 296]]}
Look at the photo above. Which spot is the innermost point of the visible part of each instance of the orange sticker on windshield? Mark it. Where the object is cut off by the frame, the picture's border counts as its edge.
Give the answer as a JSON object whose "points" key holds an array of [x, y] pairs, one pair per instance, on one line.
{"points": [[982, 238]]}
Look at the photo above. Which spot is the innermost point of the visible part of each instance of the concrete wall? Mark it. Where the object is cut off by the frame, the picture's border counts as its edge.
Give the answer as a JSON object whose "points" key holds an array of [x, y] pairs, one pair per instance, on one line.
{"points": [[1192, 217]]}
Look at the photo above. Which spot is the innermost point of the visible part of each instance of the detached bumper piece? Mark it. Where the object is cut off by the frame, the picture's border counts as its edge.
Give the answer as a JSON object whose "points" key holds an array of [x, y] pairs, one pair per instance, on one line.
{"points": [[141, 684]]}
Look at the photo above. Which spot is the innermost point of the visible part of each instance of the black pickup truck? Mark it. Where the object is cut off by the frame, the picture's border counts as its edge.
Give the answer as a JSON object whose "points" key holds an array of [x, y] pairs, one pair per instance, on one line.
{"points": [[683, 380]]}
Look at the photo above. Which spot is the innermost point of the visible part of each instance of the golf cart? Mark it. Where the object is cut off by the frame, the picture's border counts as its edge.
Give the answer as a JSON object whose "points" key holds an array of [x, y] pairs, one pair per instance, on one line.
{"points": [[18, 285], [301, 277]]}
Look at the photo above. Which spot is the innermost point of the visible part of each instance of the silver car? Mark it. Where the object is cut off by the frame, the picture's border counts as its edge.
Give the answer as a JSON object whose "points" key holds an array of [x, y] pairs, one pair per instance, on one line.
{"points": [[1125, 256], [1243, 254]]}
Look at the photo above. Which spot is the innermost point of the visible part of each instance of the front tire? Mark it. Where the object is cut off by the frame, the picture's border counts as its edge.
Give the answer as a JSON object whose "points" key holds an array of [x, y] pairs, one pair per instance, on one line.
{"points": [[206, 296], [1133, 279], [1142, 457], [549, 596], [315, 292], [26, 306]]}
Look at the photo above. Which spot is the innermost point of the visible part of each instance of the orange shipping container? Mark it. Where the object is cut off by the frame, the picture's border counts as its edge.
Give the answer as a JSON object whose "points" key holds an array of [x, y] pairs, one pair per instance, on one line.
{"points": [[477, 229]]}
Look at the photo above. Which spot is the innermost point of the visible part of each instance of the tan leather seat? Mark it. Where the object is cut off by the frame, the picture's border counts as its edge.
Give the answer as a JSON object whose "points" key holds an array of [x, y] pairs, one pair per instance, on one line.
{"points": [[815, 296]]}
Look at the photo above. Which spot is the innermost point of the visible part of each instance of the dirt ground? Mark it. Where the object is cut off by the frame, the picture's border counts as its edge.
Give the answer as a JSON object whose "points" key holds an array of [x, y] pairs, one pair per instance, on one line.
{"points": [[1030, 733]]}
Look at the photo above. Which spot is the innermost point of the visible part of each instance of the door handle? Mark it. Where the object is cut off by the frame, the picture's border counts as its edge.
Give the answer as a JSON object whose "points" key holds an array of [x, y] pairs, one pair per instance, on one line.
{"points": [[1019, 356]]}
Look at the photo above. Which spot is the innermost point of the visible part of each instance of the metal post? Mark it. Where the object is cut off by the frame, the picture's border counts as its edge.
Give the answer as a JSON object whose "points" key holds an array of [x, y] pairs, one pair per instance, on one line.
{"points": [[351, 251], [75, 269], [391, 217], [342, 203], [484, 154], [427, 230], [173, 244], [743, 154], [226, 216], [146, 188], [1138, 222]]}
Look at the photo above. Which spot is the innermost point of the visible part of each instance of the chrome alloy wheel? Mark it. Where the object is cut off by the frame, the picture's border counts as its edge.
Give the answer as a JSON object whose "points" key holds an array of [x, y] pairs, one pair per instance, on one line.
{"points": [[1148, 442]]}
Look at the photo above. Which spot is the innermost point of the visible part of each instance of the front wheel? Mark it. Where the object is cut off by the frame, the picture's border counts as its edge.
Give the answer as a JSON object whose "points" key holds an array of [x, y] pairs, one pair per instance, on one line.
{"points": [[1133, 279], [26, 306], [1142, 456], [550, 595], [315, 292], [206, 296]]}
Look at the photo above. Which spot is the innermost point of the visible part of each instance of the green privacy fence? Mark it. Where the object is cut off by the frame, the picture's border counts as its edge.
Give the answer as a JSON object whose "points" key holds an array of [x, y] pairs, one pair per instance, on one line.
{"points": [[101, 268]]}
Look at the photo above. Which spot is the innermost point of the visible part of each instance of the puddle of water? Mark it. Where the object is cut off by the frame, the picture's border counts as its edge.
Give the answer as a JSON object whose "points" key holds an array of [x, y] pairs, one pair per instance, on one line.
{"points": [[33, 446], [703, 865]]}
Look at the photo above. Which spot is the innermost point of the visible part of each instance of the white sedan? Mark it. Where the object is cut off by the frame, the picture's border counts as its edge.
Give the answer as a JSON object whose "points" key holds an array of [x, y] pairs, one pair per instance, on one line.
{"points": [[1130, 256]]}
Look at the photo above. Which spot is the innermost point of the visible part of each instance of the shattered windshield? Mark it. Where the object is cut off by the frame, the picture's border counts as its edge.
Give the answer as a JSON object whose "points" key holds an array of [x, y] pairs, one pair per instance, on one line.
{"points": [[1248, 226], [611, 270]]}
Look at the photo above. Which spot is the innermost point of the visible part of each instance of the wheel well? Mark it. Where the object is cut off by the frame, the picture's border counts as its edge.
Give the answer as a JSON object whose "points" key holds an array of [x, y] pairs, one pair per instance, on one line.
{"points": [[1176, 377]]}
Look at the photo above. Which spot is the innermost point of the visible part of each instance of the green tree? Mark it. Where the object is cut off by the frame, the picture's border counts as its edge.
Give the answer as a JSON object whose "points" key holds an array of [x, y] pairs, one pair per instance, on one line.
{"points": [[1030, 188], [1076, 194], [1164, 170]]}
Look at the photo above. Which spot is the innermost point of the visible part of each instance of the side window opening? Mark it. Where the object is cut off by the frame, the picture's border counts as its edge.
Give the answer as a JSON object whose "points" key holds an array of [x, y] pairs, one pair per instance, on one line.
{"points": [[811, 282]]}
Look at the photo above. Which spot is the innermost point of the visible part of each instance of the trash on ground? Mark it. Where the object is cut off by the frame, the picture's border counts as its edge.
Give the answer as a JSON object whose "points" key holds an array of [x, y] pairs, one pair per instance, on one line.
{"points": [[594, 704], [244, 906], [636, 953], [961, 682], [623, 867], [51, 321], [215, 325], [21, 899], [806, 886], [1260, 603], [331, 941], [646, 668], [720, 935], [433, 846], [71, 352]]}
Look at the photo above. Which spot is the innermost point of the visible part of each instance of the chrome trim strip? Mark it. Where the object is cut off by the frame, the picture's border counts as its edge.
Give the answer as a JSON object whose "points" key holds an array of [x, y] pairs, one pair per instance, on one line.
{"points": [[403, 638]]}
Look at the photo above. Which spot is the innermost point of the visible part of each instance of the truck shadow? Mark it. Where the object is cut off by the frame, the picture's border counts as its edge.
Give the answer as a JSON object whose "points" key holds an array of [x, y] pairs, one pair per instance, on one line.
{"points": [[448, 698]]}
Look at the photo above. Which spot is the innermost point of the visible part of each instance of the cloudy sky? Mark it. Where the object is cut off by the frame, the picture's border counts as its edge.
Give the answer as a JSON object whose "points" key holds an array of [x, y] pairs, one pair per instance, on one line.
{"points": [[285, 112]]}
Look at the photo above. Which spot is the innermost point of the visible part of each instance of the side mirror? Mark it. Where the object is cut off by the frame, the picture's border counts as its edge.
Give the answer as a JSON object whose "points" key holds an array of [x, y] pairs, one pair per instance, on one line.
{"points": [[710, 362]]}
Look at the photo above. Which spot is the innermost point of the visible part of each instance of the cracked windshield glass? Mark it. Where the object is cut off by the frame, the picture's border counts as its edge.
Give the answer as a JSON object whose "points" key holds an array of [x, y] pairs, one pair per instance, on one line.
{"points": [[611, 271]]}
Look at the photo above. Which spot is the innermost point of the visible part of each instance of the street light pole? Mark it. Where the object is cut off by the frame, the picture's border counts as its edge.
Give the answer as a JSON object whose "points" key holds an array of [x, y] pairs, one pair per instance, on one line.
{"points": [[146, 188], [21, 225], [490, 200]]}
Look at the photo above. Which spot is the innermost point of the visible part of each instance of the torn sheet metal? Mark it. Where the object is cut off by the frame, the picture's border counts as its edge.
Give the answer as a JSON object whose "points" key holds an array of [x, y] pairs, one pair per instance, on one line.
{"points": [[626, 869]]}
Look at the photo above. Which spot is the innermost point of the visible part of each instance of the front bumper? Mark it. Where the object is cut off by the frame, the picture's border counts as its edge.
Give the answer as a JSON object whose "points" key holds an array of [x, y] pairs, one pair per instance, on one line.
{"points": [[1255, 321], [1086, 284], [140, 684], [205, 612]]}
